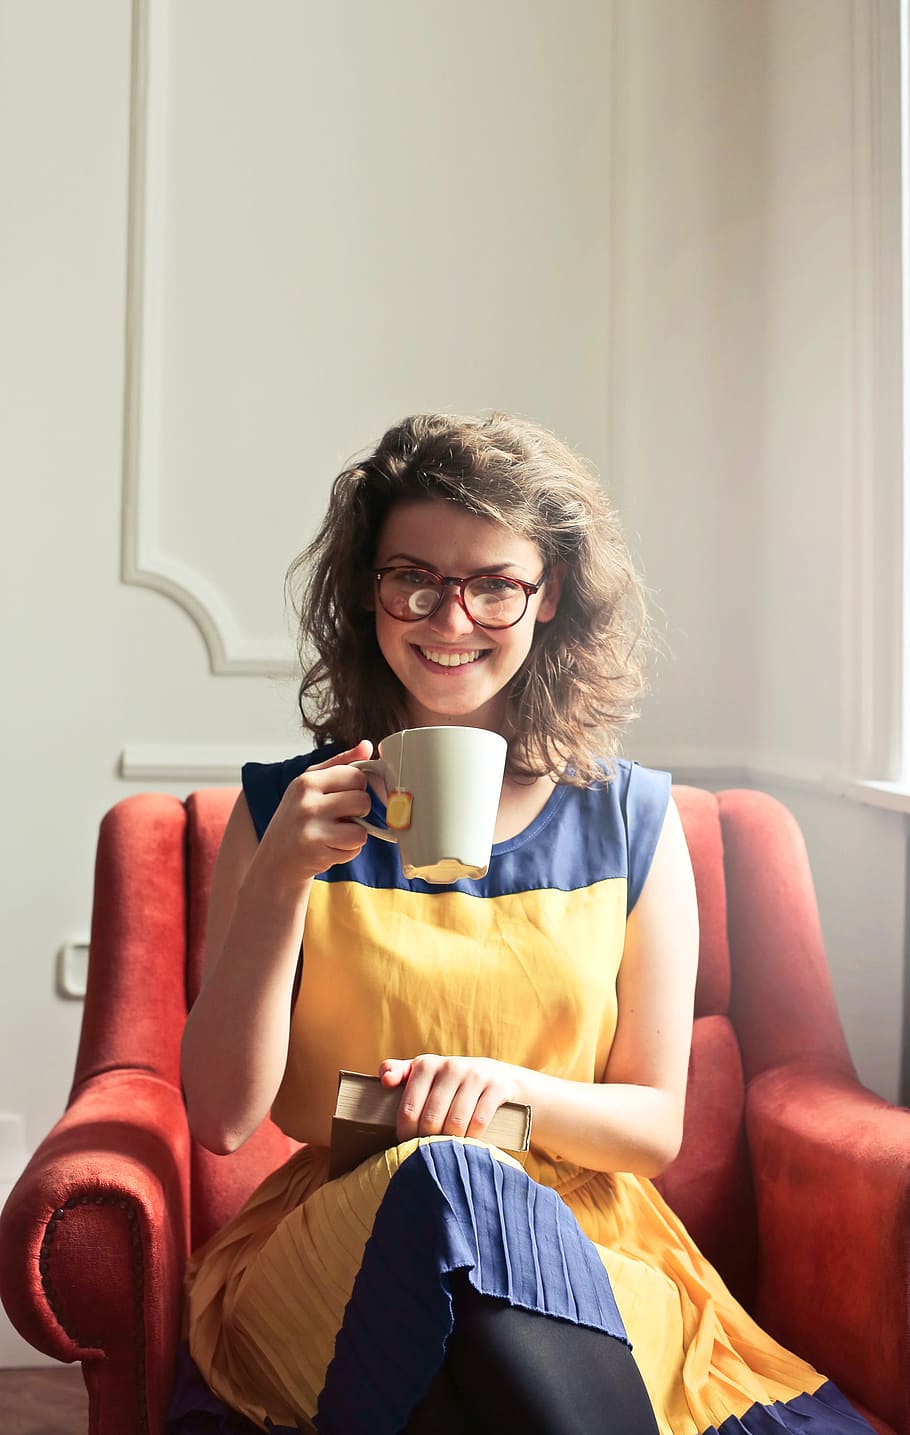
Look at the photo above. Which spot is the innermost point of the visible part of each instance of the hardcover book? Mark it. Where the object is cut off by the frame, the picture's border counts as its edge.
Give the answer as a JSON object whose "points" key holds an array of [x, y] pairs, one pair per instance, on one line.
{"points": [[366, 1112]]}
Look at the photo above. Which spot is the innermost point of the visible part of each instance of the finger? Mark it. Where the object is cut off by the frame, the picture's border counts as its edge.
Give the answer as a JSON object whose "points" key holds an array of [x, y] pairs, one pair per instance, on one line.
{"points": [[338, 856], [335, 779], [342, 837], [413, 1100], [444, 1088], [394, 1073], [462, 1116], [342, 806], [485, 1108], [360, 753]]}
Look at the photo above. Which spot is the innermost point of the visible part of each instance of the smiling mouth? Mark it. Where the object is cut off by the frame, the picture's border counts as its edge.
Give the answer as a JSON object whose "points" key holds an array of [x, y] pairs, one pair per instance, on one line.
{"points": [[443, 658]]}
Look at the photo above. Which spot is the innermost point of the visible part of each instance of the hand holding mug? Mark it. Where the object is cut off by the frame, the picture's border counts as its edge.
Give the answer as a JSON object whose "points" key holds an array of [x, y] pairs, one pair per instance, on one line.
{"points": [[315, 825]]}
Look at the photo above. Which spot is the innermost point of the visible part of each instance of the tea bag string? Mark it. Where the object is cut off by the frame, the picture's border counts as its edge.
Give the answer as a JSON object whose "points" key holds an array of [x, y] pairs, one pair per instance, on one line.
{"points": [[401, 759]]}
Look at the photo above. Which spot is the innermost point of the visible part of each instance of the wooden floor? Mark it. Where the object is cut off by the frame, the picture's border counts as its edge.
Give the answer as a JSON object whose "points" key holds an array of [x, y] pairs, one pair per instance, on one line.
{"points": [[49, 1400]]}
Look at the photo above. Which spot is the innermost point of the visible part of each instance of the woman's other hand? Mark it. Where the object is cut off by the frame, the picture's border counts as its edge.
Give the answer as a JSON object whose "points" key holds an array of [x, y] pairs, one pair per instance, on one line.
{"points": [[447, 1095]]}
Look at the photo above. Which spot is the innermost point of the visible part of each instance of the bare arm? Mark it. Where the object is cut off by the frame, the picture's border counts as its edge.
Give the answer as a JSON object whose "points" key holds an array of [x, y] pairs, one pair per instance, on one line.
{"points": [[630, 1121], [235, 1043]]}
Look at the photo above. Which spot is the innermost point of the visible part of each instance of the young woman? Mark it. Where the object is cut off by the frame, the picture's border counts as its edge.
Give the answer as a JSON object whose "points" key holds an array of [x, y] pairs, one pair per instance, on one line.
{"points": [[470, 571]]}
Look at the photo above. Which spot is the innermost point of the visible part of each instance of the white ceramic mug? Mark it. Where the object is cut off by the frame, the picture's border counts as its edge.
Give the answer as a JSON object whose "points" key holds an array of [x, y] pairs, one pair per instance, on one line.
{"points": [[453, 778]]}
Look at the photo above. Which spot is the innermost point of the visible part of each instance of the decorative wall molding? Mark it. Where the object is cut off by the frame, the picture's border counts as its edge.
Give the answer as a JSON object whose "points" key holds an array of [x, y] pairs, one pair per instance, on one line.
{"points": [[772, 772], [202, 762], [221, 763], [873, 661], [143, 560], [617, 71]]}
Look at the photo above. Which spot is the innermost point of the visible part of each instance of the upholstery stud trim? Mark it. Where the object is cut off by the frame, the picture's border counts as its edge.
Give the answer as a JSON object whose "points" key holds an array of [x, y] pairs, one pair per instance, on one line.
{"points": [[52, 1295]]}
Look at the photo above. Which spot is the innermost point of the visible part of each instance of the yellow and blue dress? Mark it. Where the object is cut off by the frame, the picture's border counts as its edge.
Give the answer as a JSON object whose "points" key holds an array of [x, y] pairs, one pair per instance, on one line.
{"points": [[325, 1304]]}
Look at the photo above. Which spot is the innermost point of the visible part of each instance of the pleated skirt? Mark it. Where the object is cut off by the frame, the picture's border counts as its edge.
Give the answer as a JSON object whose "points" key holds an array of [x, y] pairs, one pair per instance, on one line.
{"points": [[325, 1305]]}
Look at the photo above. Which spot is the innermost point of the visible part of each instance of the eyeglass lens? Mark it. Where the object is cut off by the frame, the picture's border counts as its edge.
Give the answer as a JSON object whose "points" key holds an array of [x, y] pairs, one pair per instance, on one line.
{"points": [[412, 593]]}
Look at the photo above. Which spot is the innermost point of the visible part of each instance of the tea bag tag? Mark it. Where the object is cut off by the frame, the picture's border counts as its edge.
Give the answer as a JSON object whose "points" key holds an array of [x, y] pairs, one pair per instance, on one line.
{"points": [[398, 809]]}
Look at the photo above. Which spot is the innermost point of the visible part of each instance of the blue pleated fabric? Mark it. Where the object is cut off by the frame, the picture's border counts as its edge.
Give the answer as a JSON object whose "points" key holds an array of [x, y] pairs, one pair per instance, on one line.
{"points": [[451, 1207], [195, 1410], [826, 1412]]}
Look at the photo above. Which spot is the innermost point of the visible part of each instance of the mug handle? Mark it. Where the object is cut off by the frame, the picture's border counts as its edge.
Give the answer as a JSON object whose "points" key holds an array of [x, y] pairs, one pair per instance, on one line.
{"points": [[386, 833]]}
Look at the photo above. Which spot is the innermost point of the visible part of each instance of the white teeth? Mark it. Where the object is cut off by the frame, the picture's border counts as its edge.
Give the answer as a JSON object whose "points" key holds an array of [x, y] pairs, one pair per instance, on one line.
{"points": [[451, 660]]}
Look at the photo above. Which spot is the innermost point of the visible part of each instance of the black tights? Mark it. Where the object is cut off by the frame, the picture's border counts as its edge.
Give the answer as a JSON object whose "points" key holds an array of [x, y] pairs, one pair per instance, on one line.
{"points": [[511, 1370]]}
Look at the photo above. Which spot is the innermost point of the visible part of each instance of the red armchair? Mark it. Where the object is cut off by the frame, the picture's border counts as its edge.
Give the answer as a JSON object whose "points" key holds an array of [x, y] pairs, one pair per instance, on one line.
{"points": [[794, 1179]]}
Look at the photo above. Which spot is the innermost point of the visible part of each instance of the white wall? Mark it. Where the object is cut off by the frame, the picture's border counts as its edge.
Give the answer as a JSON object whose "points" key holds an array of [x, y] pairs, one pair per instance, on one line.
{"points": [[756, 431], [338, 237], [640, 236], [350, 213]]}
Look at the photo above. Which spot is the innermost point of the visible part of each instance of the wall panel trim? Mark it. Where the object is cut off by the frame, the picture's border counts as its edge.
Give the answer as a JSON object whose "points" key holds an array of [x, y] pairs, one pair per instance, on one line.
{"points": [[144, 561], [872, 666], [200, 762]]}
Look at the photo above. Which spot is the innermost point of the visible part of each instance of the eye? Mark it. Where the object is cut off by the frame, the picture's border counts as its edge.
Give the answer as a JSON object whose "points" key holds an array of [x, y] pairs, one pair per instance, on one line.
{"points": [[493, 584], [414, 577]]}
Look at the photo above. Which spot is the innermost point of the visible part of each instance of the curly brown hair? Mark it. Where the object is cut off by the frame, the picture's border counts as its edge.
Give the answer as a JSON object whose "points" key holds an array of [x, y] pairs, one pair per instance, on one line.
{"points": [[585, 672]]}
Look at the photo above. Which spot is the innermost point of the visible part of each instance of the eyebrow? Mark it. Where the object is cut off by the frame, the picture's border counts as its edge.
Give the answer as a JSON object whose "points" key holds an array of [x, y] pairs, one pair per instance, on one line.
{"points": [[424, 563]]}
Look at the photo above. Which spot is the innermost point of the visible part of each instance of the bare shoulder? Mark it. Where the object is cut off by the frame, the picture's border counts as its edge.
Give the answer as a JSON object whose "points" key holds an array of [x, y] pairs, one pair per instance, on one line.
{"points": [[662, 928], [670, 873], [235, 855], [239, 843], [656, 981]]}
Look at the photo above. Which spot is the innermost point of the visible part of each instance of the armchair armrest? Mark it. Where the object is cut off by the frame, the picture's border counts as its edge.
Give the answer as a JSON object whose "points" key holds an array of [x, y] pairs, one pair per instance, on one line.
{"points": [[93, 1242], [831, 1165]]}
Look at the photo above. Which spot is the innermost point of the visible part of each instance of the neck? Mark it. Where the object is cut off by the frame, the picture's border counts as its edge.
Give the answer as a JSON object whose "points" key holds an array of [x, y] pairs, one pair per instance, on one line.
{"points": [[521, 801]]}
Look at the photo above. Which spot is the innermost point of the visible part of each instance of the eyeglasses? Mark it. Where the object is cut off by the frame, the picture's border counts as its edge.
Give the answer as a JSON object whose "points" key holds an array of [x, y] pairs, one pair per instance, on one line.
{"points": [[490, 599]]}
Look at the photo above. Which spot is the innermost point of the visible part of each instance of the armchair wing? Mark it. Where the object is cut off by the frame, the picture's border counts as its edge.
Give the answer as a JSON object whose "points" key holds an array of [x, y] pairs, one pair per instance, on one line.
{"points": [[96, 1231], [100, 1224], [831, 1167]]}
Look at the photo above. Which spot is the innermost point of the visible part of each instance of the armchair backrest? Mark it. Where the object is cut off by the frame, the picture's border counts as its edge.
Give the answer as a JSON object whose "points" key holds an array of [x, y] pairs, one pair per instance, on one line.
{"points": [[153, 872], [763, 996]]}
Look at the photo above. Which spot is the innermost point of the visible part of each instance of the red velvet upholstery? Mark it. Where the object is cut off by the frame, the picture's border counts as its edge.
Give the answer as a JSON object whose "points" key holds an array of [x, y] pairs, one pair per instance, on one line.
{"points": [[793, 1178]]}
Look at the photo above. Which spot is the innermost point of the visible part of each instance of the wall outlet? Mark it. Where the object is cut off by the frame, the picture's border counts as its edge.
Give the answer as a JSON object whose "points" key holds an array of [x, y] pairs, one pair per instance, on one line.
{"points": [[72, 969]]}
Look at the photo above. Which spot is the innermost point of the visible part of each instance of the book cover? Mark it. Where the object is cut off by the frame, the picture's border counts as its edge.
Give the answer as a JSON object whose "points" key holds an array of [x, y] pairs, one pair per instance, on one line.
{"points": [[366, 1112]]}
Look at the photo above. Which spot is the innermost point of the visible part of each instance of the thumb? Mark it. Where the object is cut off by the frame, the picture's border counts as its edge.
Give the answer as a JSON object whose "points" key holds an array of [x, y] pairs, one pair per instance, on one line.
{"points": [[360, 753], [394, 1073]]}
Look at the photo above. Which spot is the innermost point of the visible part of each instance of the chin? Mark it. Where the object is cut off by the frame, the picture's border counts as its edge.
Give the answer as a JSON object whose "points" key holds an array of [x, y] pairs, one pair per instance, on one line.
{"points": [[486, 714]]}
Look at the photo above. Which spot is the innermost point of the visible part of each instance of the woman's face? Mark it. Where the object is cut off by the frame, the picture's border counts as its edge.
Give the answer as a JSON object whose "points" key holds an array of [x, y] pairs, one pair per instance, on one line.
{"points": [[433, 533]]}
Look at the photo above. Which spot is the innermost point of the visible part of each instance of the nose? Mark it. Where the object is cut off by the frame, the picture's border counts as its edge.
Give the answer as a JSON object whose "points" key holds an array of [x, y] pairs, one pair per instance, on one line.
{"points": [[450, 618]]}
